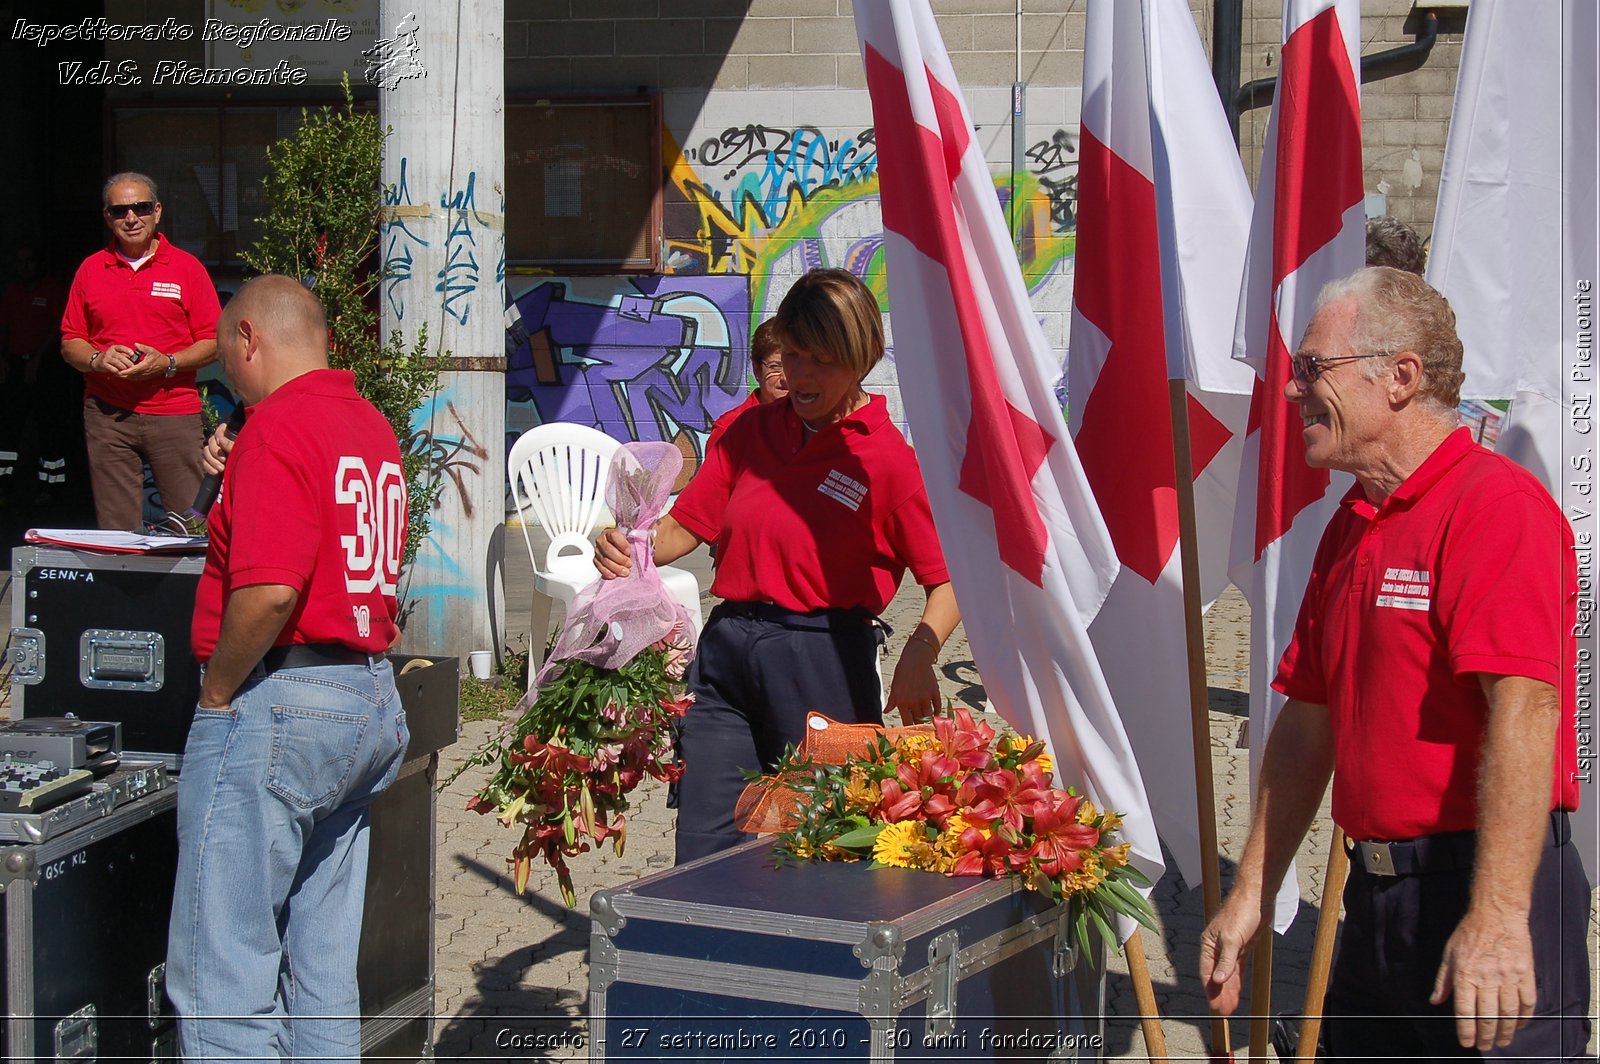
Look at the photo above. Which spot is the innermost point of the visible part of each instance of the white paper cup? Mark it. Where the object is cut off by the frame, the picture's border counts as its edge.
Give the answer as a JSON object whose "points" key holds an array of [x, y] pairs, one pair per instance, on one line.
{"points": [[482, 663]]}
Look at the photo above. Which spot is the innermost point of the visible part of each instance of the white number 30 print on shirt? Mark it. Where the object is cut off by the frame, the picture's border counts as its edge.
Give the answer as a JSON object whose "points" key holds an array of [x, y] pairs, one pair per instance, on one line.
{"points": [[376, 525]]}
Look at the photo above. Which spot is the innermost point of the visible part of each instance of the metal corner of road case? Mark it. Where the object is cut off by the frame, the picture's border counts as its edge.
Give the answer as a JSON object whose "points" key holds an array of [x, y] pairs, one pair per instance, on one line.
{"points": [[85, 936], [106, 637], [734, 957]]}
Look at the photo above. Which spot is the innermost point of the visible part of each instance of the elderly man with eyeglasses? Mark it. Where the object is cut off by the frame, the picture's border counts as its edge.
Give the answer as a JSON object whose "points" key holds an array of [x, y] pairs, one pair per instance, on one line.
{"points": [[141, 318], [1431, 675]]}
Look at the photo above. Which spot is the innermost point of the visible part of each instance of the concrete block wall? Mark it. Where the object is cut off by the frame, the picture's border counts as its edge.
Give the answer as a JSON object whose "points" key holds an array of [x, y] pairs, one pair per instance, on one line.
{"points": [[1404, 117], [616, 45]]}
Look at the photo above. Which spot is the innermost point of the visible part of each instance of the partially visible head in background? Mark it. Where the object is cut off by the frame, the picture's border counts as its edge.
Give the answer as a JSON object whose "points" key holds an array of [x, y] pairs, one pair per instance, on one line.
{"points": [[766, 362], [1393, 243]]}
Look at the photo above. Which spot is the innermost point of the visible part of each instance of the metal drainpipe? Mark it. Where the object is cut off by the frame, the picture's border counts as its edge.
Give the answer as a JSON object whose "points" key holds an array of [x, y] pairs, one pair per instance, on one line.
{"points": [[1019, 123], [1227, 41], [1375, 67]]}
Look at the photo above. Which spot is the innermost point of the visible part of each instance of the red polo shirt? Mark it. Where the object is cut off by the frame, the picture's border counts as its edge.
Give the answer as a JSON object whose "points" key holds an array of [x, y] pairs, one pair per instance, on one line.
{"points": [[720, 426], [168, 303], [1467, 568], [313, 497], [829, 522]]}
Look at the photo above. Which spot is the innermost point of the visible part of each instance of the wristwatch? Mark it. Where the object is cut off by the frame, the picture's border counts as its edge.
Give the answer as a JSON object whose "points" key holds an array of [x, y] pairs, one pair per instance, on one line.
{"points": [[172, 365]]}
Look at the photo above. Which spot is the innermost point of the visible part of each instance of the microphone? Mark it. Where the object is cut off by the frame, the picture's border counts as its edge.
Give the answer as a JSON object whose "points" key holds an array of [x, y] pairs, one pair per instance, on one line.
{"points": [[211, 485]]}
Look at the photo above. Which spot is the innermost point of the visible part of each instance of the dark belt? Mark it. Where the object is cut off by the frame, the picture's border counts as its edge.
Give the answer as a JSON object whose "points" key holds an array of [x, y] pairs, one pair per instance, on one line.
{"points": [[851, 620], [314, 655], [1448, 851]]}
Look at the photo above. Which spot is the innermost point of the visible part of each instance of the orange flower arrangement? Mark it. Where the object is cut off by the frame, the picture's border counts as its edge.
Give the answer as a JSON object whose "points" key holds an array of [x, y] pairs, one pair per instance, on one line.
{"points": [[955, 799]]}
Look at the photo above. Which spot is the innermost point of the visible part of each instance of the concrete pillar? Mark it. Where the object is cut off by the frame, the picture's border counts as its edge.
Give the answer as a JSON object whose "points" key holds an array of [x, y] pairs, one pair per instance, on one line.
{"points": [[441, 75]]}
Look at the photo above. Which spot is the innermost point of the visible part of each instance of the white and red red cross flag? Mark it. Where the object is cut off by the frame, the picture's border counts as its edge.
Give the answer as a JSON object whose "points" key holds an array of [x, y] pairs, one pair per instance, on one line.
{"points": [[1163, 215], [1514, 250], [1309, 228], [1028, 553]]}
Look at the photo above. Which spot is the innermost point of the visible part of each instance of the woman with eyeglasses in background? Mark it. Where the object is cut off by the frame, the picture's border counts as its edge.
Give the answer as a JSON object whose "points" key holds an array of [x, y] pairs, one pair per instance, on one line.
{"points": [[766, 362]]}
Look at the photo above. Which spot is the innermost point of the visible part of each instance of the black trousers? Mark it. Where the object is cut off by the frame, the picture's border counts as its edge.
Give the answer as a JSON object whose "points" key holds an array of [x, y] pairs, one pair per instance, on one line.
{"points": [[757, 672], [1395, 930]]}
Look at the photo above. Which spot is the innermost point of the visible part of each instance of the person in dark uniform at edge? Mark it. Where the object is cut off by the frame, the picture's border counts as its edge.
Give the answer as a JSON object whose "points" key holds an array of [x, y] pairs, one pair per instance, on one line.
{"points": [[35, 386], [817, 508], [299, 725], [1430, 675]]}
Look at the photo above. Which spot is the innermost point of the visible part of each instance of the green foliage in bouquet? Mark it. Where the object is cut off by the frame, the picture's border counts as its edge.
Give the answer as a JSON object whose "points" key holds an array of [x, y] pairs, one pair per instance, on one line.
{"points": [[323, 196]]}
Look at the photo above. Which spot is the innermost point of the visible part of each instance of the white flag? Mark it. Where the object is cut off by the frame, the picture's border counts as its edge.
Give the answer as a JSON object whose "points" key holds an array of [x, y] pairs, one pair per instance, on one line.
{"points": [[1030, 558], [1163, 214], [1309, 228]]}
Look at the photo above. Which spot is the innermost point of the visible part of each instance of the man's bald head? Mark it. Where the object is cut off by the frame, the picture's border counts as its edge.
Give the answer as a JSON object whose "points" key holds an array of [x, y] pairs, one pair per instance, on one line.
{"points": [[283, 309], [272, 331]]}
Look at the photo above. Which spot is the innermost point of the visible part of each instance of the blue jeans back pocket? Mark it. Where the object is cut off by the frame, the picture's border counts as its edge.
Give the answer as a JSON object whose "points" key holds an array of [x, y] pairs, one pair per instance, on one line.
{"points": [[313, 754]]}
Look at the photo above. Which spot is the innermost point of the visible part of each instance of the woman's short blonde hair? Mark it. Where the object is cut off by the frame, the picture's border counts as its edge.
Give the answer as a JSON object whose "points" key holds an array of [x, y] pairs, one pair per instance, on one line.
{"points": [[830, 312]]}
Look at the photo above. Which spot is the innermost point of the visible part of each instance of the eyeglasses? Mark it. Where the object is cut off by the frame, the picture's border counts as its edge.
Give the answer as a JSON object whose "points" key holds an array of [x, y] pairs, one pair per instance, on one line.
{"points": [[770, 368], [144, 208], [1307, 368]]}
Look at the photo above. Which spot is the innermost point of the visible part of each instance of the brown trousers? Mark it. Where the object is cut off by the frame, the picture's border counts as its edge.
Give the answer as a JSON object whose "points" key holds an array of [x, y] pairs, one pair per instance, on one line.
{"points": [[120, 442]]}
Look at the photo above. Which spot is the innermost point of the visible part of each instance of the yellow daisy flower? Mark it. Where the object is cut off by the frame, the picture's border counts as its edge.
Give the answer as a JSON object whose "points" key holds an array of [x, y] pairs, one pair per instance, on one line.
{"points": [[904, 845]]}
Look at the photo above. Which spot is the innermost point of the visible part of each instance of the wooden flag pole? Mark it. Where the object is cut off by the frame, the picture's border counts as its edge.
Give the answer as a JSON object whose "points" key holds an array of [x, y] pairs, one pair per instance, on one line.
{"points": [[1155, 1041], [1199, 702], [1261, 997], [1322, 948]]}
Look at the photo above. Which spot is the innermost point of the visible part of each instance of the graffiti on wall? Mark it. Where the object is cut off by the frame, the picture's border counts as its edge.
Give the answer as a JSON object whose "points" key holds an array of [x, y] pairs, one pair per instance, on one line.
{"points": [[757, 168], [643, 358], [452, 458], [458, 281], [758, 200], [472, 239], [400, 244], [449, 452], [746, 210], [1054, 164], [740, 203]]}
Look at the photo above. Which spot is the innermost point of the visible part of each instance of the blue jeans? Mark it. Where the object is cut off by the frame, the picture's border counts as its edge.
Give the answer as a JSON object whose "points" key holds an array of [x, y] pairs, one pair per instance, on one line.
{"points": [[273, 804]]}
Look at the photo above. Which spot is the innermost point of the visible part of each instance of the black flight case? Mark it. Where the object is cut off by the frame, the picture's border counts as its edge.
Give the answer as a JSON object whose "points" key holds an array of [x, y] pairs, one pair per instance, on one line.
{"points": [[85, 937]]}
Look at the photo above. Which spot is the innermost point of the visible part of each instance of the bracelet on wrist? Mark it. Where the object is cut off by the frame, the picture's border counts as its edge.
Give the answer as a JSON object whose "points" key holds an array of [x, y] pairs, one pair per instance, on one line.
{"points": [[926, 640]]}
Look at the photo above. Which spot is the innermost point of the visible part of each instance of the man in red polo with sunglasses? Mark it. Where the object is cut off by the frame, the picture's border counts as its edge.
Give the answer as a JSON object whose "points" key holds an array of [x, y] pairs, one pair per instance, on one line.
{"points": [[141, 318], [1432, 675]]}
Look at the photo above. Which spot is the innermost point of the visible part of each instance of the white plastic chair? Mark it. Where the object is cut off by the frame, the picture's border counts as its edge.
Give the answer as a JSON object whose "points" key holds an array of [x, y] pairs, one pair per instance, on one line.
{"points": [[557, 473]]}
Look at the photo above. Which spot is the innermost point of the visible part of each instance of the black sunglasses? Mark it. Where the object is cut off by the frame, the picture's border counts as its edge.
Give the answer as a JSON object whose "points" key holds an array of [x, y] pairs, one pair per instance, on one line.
{"points": [[1307, 368], [144, 208]]}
